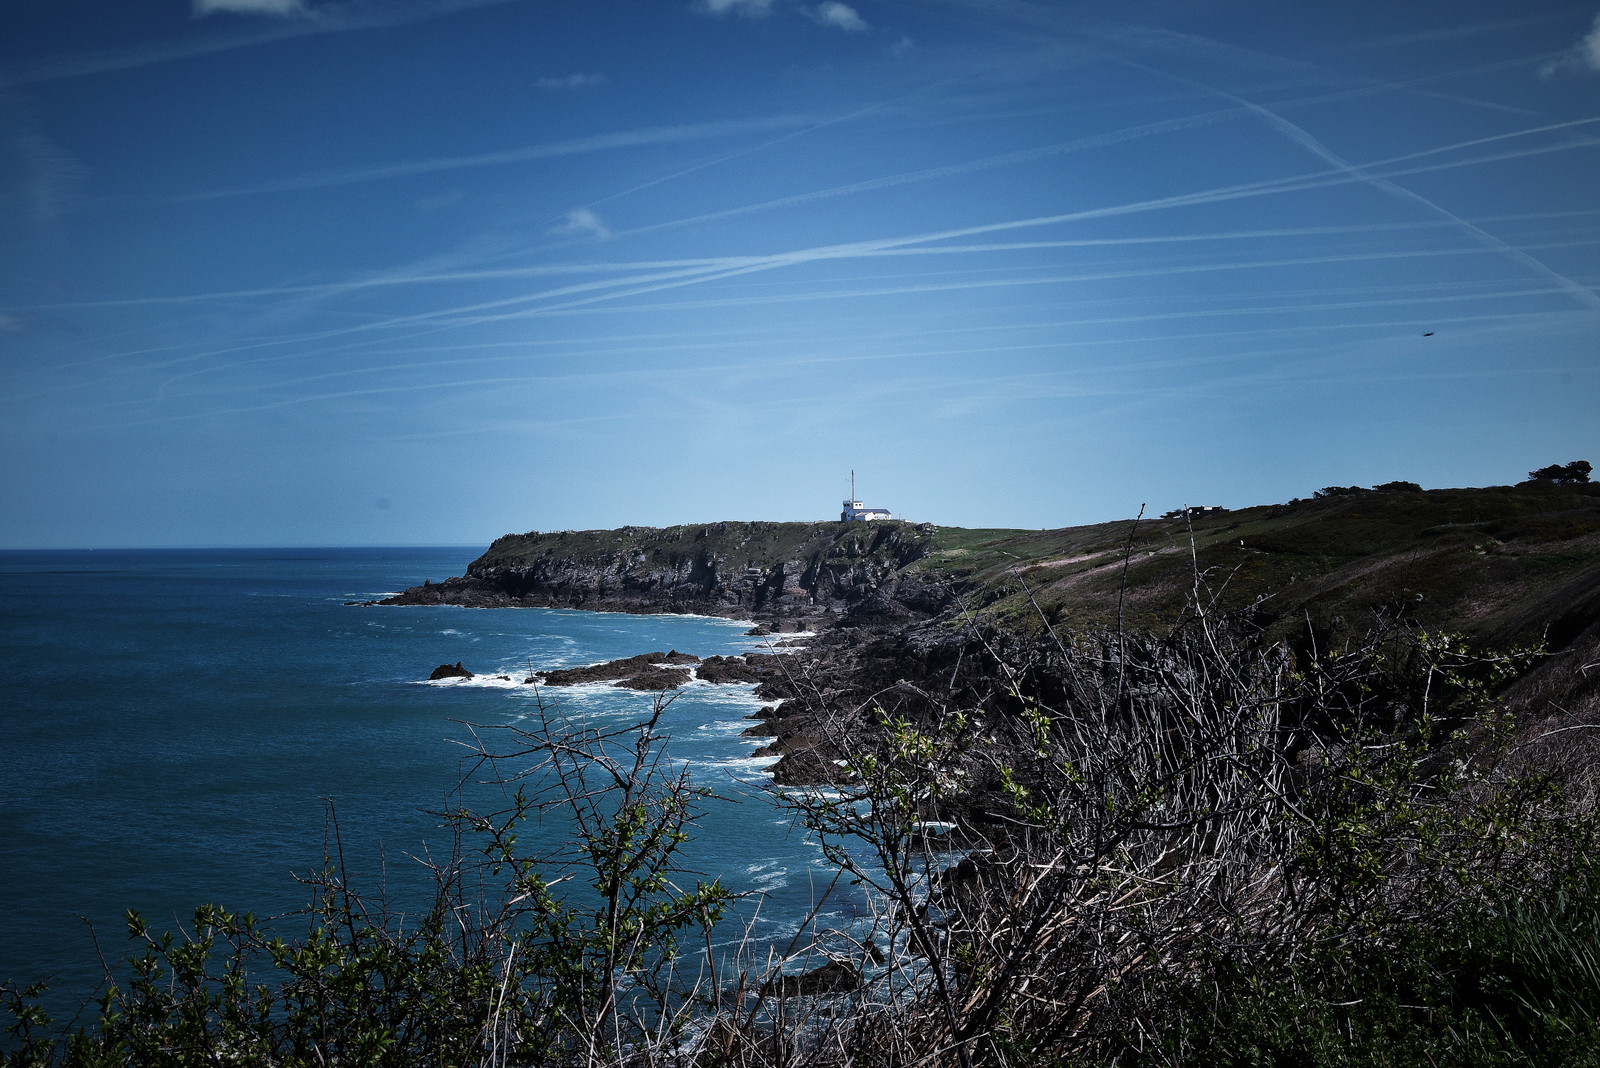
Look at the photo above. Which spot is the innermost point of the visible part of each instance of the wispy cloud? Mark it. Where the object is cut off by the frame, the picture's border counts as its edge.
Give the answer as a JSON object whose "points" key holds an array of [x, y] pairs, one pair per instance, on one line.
{"points": [[1435, 35], [1579, 292], [747, 8], [572, 81], [42, 179], [203, 8], [1583, 57], [344, 17], [840, 16], [581, 222], [654, 135]]}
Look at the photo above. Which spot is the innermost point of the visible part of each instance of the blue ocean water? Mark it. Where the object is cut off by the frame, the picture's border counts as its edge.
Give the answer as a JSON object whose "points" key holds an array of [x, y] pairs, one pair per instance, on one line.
{"points": [[174, 726]]}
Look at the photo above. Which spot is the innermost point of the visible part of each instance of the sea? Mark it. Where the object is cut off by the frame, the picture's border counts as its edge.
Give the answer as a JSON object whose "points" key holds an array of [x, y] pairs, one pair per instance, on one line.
{"points": [[183, 727]]}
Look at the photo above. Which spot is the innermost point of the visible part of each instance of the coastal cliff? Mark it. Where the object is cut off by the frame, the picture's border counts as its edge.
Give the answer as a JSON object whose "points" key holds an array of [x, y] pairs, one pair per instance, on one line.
{"points": [[897, 607], [1502, 564], [806, 573]]}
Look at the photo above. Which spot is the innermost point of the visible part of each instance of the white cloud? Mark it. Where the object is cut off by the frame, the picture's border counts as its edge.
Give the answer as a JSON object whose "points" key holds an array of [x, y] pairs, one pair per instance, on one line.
{"points": [[747, 8], [1589, 48], [250, 7], [1583, 56], [840, 16], [581, 222], [572, 81]]}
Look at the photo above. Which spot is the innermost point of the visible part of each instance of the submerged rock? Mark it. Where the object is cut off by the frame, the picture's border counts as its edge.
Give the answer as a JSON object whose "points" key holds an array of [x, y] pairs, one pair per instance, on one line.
{"points": [[727, 669], [835, 977], [656, 679]]}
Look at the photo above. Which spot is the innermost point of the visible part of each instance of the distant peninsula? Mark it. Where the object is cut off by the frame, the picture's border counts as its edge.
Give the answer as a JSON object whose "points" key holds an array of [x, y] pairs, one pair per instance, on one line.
{"points": [[894, 607], [1501, 564]]}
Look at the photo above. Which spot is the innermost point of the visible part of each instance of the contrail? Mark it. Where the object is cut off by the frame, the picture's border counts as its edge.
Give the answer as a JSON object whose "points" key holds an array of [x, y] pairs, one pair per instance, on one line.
{"points": [[656, 135], [1582, 293], [1351, 172]]}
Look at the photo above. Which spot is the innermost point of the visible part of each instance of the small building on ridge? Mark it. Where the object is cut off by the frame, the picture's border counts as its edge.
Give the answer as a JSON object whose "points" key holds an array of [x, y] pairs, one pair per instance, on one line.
{"points": [[855, 510]]}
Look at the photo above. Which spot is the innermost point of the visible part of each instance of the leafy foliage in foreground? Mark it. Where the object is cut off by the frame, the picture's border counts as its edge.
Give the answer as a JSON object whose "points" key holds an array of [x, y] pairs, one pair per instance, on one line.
{"points": [[521, 975], [1205, 848]]}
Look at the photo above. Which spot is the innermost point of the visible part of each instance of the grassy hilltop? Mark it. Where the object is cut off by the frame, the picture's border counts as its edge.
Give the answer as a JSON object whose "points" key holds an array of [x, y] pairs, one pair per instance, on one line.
{"points": [[1502, 564]]}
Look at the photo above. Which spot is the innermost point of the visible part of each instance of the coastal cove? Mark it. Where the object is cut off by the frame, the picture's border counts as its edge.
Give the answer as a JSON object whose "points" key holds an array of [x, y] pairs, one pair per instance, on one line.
{"points": [[178, 725]]}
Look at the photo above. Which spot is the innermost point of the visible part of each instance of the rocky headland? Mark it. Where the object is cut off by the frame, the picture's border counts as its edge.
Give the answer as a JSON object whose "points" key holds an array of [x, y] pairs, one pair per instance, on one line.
{"points": [[788, 575], [898, 609]]}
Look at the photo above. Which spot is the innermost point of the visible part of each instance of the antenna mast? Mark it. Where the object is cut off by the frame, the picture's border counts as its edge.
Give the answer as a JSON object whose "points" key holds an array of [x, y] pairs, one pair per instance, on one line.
{"points": [[852, 483]]}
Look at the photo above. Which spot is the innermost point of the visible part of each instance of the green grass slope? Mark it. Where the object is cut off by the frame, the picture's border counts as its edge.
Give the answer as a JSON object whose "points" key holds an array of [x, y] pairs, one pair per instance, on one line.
{"points": [[1502, 564]]}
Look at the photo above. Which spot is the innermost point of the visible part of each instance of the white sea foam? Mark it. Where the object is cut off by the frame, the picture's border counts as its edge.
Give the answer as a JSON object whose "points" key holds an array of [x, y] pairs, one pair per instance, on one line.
{"points": [[724, 726], [741, 763], [485, 682], [731, 694], [590, 691], [772, 881], [587, 612]]}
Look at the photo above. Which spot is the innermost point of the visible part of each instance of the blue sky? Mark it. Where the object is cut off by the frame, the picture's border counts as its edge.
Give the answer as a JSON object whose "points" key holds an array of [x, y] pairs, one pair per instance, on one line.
{"points": [[428, 271]]}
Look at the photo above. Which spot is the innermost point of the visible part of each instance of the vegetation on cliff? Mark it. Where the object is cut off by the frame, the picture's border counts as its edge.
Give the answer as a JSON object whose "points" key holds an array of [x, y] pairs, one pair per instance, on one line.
{"points": [[1503, 564]]}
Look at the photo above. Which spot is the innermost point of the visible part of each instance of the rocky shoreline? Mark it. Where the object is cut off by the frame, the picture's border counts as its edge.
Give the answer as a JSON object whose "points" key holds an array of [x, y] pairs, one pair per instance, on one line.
{"points": [[891, 606], [846, 585], [805, 685]]}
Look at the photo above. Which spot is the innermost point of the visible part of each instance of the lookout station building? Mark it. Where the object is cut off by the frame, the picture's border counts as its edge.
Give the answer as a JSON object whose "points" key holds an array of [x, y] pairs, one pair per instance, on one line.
{"points": [[855, 510]]}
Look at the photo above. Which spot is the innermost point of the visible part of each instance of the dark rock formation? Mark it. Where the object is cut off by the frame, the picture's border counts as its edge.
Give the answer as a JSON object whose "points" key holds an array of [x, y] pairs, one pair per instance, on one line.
{"points": [[656, 679], [450, 671], [728, 669], [789, 575], [835, 977], [621, 672]]}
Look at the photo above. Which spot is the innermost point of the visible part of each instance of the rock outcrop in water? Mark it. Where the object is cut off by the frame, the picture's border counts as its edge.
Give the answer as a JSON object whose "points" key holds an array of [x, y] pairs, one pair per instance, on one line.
{"points": [[647, 671]]}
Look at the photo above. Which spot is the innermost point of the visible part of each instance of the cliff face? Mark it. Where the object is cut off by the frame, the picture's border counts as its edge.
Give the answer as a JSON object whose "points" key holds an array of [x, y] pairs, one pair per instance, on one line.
{"points": [[1502, 564], [800, 571]]}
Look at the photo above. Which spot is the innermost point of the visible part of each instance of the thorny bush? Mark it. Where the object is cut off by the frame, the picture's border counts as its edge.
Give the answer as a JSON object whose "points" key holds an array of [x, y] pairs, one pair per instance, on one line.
{"points": [[1195, 848]]}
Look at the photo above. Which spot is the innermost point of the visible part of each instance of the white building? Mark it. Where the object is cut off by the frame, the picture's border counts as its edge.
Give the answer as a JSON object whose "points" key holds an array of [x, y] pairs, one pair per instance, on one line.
{"points": [[1194, 511], [854, 510]]}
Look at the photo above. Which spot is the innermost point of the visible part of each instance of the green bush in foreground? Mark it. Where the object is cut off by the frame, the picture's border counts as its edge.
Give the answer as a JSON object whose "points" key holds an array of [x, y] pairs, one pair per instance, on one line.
{"points": [[519, 975], [1198, 849]]}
